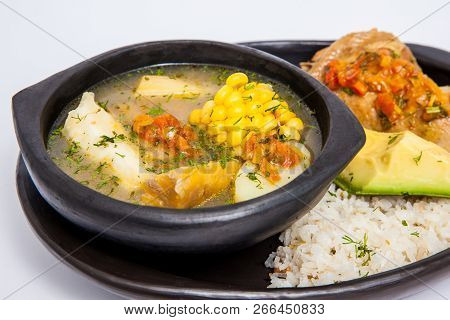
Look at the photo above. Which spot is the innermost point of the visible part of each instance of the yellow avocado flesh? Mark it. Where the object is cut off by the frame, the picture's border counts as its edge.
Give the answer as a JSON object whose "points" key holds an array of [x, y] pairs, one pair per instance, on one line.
{"points": [[397, 164]]}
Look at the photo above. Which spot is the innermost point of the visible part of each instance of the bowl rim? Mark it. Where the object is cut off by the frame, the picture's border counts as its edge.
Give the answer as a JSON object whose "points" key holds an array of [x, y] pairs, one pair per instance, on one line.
{"points": [[33, 147]]}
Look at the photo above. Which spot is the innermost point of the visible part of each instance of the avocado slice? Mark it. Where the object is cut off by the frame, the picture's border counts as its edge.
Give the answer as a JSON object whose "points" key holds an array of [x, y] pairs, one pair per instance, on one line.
{"points": [[397, 164]]}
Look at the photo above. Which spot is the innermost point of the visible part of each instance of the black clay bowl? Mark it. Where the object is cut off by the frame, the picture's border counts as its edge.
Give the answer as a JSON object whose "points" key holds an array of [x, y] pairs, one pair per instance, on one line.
{"points": [[198, 230]]}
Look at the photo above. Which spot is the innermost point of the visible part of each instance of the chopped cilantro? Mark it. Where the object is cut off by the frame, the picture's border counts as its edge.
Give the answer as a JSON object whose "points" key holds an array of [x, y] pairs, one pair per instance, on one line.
{"points": [[156, 111], [104, 140], [417, 159], [103, 105]]}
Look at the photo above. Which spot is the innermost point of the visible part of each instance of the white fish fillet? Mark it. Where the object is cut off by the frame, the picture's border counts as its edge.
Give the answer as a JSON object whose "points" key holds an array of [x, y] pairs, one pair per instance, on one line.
{"points": [[87, 124]]}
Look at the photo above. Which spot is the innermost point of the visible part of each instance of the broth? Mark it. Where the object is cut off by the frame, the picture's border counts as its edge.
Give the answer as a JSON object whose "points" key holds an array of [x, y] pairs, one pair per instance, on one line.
{"points": [[120, 97]]}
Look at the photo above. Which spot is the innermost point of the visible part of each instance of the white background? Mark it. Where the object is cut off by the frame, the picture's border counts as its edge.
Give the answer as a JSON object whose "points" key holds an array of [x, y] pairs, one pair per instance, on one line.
{"points": [[28, 55]]}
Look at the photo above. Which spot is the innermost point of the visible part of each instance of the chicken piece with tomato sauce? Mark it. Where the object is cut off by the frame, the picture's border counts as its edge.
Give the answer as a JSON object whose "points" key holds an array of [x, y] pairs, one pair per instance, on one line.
{"points": [[379, 79]]}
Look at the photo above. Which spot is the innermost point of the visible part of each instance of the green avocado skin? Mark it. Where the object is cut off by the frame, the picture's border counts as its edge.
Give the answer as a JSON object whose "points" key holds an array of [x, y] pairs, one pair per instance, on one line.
{"points": [[391, 190], [398, 164]]}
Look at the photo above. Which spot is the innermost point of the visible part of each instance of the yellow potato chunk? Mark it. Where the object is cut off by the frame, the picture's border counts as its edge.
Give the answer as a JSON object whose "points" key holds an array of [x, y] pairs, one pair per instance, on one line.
{"points": [[165, 86]]}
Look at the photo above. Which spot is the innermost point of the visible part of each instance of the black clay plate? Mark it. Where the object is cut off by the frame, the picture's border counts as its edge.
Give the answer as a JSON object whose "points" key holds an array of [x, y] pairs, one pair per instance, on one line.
{"points": [[237, 275]]}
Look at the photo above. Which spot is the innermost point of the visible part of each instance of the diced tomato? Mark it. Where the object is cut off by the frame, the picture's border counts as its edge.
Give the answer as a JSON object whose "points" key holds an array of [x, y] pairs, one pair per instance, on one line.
{"points": [[385, 103], [166, 120], [331, 79], [359, 87], [351, 74]]}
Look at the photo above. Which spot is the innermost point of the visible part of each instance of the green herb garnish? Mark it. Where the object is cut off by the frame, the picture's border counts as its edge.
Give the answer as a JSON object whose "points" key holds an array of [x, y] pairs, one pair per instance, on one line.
{"points": [[404, 223], [415, 233], [348, 91], [104, 140], [103, 105], [417, 159], [332, 194], [392, 139], [361, 248], [249, 86], [156, 111], [252, 176], [56, 133], [272, 109], [237, 121]]}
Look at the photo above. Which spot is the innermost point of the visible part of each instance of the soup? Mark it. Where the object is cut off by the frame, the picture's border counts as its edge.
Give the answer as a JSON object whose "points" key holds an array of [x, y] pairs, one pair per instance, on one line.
{"points": [[183, 136]]}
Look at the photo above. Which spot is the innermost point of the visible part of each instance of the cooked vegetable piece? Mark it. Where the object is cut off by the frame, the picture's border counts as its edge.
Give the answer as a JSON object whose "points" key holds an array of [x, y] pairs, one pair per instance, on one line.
{"points": [[151, 85], [187, 187], [251, 182]]}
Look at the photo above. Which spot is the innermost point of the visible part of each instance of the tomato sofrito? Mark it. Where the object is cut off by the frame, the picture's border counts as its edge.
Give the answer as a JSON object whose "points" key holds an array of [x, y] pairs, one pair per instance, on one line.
{"points": [[401, 87], [268, 152], [166, 130]]}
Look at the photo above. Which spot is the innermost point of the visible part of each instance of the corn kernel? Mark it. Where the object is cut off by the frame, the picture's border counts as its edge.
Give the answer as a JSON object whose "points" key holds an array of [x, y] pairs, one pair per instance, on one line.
{"points": [[253, 107], [286, 116], [280, 111], [245, 123], [237, 151], [195, 116], [221, 95], [264, 95], [265, 86], [218, 113], [247, 137], [249, 96], [236, 110], [233, 122], [235, 137], [209, 105], [233, 98], [289, 133], [256, 121], [295, 123], [221, 137], [237, 79], [206, 117], [216, 127], [269, 123], [284, 104], [286, 132]]}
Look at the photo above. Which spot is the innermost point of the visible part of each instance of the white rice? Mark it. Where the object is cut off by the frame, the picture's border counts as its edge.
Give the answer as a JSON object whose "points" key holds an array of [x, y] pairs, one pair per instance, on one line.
{"points": [[398, 231]]}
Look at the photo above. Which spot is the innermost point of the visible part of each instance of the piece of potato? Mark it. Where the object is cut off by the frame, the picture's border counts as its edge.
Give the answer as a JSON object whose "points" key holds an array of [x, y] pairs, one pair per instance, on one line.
{"points": [[164, 86]]}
